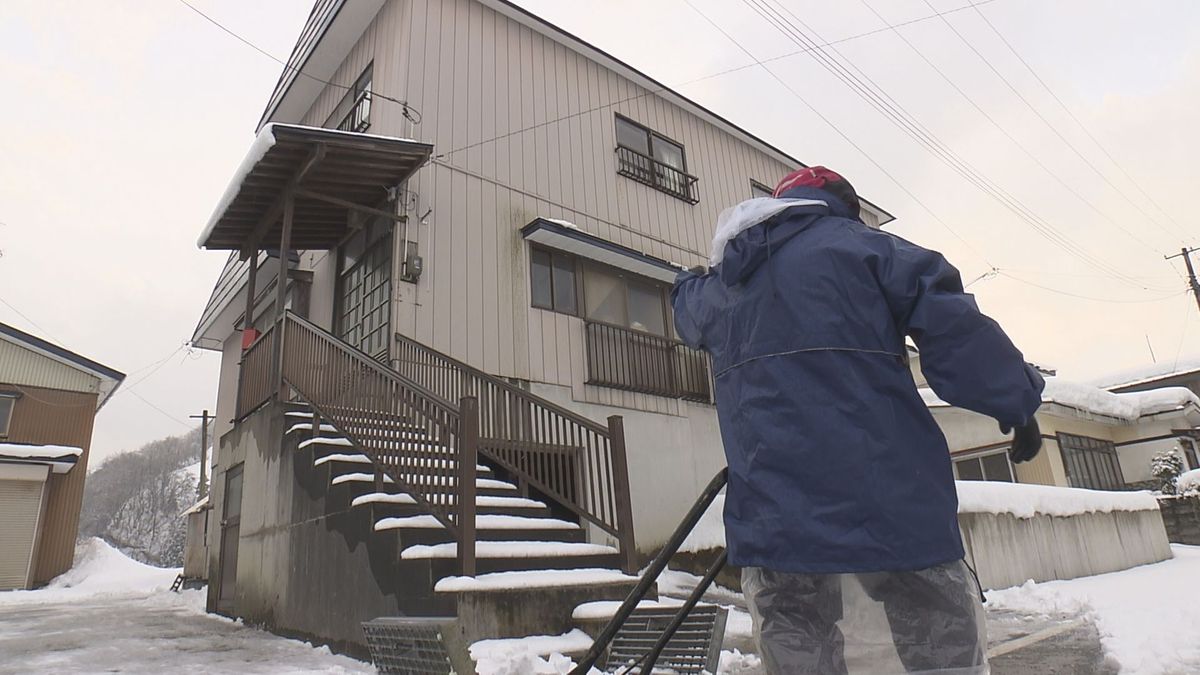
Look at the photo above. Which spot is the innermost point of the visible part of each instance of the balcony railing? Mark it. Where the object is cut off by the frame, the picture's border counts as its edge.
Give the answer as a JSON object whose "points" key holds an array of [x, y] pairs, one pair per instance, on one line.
{"points": [[649, 364], [660, 176], [358, 118]]}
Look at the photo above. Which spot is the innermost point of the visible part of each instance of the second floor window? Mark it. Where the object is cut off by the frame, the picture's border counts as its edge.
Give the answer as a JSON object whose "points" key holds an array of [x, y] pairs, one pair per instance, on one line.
{"points": [[8, 401], [564, 283], [653, 159], [353, 112]]}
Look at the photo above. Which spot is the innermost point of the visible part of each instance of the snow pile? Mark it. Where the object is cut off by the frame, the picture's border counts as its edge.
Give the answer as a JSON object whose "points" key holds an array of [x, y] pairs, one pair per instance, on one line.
{"points": [[1146, 618], [25, 450], [709, 532], [736, 663], [533, 655], [1188, 483], [1024, 500], [100, 570]]}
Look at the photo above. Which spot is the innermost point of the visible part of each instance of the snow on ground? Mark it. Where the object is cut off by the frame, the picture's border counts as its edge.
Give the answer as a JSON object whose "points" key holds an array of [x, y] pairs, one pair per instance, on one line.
{"points": [[1146, 616], [113, 614]]}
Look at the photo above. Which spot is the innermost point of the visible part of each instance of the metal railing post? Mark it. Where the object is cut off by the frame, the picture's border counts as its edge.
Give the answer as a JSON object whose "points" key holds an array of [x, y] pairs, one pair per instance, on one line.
{"points": [[624, 505], [468, 457]]}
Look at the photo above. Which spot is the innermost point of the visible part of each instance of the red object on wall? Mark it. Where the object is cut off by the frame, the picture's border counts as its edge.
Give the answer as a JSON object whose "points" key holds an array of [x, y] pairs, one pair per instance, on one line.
{"points": [[249, 335]]}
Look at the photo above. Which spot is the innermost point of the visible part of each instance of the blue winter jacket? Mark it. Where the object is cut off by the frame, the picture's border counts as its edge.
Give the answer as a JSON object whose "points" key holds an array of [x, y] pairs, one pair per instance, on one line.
{"points": [[835, 463]]}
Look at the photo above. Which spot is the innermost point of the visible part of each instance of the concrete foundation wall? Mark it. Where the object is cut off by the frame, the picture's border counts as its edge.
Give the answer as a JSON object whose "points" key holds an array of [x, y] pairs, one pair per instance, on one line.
{"points": [[307, 565], [1007, 551]]}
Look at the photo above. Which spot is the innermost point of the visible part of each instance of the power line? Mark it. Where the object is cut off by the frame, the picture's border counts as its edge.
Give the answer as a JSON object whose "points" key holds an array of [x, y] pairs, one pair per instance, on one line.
{"points": [[898, 116], [1009, 136], [652, 92], [1071, 114], [840, 133], [411, 113], [1088, 297], [164, 413], [31, 321], [1042, 117]]}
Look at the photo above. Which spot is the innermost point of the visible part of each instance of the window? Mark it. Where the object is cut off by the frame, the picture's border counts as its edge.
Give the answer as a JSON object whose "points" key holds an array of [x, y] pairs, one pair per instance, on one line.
{"points": [[1091, 462], [757, 189], [353, 112], [554, 281], [653, 159], [364, 294], [8, 401], [993, 466]]}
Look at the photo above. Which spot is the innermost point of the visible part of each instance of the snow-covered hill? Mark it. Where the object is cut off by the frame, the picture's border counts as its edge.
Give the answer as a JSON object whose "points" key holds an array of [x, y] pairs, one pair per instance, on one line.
{"points": [[134, 500]]}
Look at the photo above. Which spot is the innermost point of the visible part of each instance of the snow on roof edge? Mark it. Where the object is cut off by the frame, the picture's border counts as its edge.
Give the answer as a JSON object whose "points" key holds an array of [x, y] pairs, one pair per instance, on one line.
{"points": [[263, 141]]}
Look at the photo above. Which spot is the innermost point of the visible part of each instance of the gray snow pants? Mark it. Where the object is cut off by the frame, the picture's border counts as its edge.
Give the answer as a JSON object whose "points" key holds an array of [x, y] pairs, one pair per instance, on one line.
{"points": [[934, 621]]}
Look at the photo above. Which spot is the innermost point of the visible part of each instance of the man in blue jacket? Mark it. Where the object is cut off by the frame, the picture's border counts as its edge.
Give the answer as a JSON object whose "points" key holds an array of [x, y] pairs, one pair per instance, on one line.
{"points": [[838, 474]]}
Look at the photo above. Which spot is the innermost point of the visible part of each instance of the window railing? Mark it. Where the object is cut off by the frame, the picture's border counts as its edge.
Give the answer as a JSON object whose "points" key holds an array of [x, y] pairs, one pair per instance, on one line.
{"points": [[622, 358], [660, 176], [358, 118]]}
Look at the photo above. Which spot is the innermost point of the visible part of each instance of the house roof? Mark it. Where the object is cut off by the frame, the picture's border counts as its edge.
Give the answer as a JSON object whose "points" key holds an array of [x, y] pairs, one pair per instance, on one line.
{"points": [[1150, 373], [109, 378], [1120, 408], [330, 172], [333, 27]]}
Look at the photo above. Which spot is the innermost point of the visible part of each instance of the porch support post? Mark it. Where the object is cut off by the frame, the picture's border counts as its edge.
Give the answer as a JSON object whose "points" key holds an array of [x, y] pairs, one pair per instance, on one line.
{"points": [[621, 495], [285, 244], [248, 319]]}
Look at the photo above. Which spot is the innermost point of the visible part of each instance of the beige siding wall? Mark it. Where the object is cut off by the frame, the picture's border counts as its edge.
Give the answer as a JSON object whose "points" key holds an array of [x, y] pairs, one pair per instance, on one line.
{"points": [[474, 75], [20, 365]]}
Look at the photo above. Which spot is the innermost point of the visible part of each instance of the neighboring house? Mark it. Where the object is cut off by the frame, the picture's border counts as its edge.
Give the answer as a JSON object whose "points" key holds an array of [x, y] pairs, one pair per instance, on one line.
{"points": [[1093, 438], [519, 251], [48, 401]]}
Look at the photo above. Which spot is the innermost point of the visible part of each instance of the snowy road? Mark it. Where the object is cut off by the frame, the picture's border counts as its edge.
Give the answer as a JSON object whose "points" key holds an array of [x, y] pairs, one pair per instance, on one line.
{"points": [[163, 633]]}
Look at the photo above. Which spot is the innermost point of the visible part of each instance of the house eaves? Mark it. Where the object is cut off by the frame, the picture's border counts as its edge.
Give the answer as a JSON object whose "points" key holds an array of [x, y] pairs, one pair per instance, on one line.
{"points": [[334, 26], [109, 378]]}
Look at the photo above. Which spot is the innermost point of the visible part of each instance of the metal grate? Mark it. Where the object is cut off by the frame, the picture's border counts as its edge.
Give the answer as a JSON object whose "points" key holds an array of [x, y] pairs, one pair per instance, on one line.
{"points": [[416, 646], [695, 648]]}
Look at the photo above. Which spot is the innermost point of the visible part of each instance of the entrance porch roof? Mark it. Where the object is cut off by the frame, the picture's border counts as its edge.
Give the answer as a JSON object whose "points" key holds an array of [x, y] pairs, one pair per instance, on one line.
{"points": [[327, 173]]}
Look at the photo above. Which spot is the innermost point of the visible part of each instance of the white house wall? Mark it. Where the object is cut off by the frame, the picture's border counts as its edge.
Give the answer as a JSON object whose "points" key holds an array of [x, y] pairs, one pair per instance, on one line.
{"points": [[474, 75]]}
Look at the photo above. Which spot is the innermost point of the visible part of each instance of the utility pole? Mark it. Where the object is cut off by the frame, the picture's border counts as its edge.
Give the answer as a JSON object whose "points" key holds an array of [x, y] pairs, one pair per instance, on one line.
{"points": [[1186, 254], [204, 417]]}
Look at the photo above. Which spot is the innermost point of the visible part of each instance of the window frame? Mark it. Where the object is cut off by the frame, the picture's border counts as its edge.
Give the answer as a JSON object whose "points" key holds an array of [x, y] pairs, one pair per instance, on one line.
{"points": [[582, 266], [979, 457], [651, 134], [755, 185], [577, 289], [1090, 462], [11, 398], [374, 244]]}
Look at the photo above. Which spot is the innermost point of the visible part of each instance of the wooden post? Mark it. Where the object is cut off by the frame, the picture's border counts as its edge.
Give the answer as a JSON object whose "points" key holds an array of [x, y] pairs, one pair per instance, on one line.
{"points": [[248, 319], [285, 243], [468, 457], [620, 468], [202, 488]]}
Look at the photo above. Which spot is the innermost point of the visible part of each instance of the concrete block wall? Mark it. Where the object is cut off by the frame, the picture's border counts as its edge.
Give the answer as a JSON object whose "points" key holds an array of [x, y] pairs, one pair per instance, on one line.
{"points": [[1007, 551], [1181, 515]]}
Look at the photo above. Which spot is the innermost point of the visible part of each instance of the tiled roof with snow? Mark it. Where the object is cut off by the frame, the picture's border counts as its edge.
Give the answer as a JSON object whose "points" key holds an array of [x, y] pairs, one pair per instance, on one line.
{"points": [[1150, 373], [1087, 398]]}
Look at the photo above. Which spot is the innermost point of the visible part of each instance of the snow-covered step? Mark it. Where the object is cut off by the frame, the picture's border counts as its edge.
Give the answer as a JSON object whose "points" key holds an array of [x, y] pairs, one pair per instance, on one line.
{"points": [[553, 578], [509, 549], [307, 426], [342, 457], [484, 521], [323, 440], [481, 500], [358, 478]]}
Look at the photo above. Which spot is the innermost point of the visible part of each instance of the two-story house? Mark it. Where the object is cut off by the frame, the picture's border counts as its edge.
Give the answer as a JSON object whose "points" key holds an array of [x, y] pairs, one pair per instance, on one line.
{"points": [[49, 397], [474, 204]]}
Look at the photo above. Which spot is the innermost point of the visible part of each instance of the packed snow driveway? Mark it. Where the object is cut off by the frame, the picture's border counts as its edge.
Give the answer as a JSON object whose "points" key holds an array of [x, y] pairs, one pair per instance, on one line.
{"points": [[112, 614]]}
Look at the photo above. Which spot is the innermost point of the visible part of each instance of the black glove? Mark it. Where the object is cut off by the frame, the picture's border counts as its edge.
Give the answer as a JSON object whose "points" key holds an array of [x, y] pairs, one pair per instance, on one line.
{"points": [[1027, 441]]}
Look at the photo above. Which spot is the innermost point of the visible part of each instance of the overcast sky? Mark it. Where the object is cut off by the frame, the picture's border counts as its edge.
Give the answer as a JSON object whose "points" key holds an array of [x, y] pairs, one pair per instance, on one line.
{"points": [[122, 122]]}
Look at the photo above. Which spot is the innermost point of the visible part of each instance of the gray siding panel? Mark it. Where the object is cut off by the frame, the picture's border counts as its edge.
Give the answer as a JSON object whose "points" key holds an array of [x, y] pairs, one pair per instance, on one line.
{"points": [[474, 75]]}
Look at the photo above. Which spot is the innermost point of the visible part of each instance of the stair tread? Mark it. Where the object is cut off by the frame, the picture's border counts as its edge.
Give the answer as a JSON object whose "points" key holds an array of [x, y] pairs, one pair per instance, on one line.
{"points": [[482, 521], [480, 500], [342, 457], [359, 477], [503, 581], [323, 440], [307, 426], [509, 549]]}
